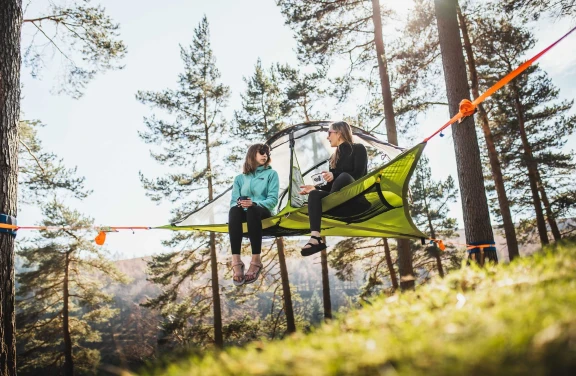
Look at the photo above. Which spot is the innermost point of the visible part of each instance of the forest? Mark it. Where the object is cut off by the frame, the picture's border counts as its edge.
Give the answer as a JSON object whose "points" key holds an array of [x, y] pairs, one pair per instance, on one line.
{"points": [[489, 290]]}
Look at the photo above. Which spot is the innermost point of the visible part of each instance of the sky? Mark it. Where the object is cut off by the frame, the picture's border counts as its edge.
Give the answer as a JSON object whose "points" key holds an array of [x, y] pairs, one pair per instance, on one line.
{"points": [[98, 133]]}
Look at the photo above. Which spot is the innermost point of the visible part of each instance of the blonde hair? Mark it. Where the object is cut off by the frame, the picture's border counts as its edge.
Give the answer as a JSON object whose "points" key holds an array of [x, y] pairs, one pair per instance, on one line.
{"points": [[250, 163], [346, 133]]}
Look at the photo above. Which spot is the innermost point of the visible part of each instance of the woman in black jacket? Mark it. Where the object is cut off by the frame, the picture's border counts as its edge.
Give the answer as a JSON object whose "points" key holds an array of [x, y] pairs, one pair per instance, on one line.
{"points": [[347, 164]]}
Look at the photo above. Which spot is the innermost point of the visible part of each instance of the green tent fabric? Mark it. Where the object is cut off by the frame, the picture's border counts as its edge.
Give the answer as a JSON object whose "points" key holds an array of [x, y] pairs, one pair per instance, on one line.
{"points": [[374, 206]]}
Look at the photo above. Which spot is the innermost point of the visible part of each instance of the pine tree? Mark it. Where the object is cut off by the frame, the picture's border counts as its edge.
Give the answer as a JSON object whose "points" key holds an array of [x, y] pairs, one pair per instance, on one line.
{"points": [[353, 29], [10, 25], [546, 127], [190, 142], [493, 157], [62, 295], [524, 118], [474, 203], [430, 204], [260, 118], [301, 93]]}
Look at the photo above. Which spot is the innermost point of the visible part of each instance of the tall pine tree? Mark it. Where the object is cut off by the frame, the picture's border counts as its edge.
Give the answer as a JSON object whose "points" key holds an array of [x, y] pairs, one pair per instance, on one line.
{"points": [[474, 203], [261, 117], [521, 105], [493, 157], [190, 140], [10, 25], [353, 29]]}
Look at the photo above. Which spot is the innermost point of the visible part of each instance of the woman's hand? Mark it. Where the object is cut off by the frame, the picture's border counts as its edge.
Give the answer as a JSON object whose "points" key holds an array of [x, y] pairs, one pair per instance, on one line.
{"points": [[328, 176], [245, 203], [306, 189]]}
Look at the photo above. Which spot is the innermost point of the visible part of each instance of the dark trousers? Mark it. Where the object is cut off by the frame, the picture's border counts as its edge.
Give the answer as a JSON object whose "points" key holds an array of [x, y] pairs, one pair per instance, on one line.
{"points": [[315, 199], [253, 216]]}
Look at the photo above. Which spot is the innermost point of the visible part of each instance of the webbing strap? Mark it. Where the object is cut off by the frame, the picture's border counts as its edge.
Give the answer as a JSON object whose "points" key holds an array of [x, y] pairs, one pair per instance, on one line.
{"points": [[8, 224], [468, 108], [480, 248]]}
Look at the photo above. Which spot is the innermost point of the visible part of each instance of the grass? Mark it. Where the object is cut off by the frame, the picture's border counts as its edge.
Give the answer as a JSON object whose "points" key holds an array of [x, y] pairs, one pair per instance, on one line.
{"points": [[514, 319]]}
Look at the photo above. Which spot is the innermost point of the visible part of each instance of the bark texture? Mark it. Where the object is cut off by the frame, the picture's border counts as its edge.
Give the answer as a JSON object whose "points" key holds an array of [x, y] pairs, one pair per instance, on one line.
{"points": [[471, 180], [288, 308], [68, 360], [10, 60], [508, 223], [405, 266], [532, 169], [390, 264], [326, 285]]}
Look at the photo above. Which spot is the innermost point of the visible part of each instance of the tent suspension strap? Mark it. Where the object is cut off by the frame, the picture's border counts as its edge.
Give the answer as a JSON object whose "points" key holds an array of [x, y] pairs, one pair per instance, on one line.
{"points": [[468, 108], [8, 224]]}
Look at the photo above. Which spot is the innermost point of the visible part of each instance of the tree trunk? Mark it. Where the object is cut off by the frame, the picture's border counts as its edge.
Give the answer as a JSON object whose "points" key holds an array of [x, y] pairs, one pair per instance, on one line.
{"points": [[404, 253], [218, 339], [288, 308], [551, 218], [532, 169], [10, 25], [509, 229], [325, 284], [68, 361], [470, 177], [390, 265]]}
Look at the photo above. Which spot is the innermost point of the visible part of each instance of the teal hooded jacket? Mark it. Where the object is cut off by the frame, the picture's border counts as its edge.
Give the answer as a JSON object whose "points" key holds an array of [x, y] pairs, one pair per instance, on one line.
{"points": [[262, 186]]}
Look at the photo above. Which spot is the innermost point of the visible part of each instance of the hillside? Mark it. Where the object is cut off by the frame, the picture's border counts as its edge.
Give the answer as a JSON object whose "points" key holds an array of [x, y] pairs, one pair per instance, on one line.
{"points": [[507, 319]]}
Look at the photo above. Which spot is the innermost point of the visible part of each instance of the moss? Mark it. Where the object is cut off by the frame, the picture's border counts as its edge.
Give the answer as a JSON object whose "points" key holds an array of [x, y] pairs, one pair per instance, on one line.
{"points": [[513, 319]]}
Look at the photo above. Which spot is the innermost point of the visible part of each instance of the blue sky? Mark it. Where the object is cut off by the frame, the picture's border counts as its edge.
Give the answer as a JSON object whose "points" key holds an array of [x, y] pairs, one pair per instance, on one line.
{"points": [[98, 133]]}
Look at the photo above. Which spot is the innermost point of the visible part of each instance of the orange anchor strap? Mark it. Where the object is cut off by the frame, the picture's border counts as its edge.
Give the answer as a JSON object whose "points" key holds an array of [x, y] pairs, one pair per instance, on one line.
{"points": [[9, 227], [100, 238], [442, 245], [510, 76], [468, 108], [481, 246]]}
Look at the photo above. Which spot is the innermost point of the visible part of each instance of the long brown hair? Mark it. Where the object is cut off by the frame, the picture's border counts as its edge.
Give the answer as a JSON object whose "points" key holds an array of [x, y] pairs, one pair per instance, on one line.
{"points": [[251, 164], [346, 133]]}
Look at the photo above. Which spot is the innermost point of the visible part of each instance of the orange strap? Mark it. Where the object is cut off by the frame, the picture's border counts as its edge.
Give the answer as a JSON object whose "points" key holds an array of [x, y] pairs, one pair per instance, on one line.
{"points": [[469, 247], [481, 246], [54, 228], [100, 238], [468, 108]]}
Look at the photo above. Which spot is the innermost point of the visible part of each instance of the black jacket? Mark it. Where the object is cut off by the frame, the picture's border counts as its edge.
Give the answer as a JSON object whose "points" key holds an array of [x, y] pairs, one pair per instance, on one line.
{"points": [[353, 160]]}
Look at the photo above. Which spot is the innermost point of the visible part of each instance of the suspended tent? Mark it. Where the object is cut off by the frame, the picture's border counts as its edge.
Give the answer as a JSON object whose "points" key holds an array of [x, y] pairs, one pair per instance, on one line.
{"points": [[374, 206]]}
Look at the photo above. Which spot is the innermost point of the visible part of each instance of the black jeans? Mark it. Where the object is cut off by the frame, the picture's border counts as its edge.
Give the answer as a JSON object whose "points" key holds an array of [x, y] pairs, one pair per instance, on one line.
{"points": [[315, 199], [253, 216]]}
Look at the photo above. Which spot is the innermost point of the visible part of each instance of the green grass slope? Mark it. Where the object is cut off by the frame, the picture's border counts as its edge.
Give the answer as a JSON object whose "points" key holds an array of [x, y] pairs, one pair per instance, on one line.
{"points": [[516, 319]]}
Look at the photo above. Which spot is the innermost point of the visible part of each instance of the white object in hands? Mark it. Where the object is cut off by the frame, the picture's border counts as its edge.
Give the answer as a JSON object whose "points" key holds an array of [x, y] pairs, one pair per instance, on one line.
{"points": [[318, 179]]}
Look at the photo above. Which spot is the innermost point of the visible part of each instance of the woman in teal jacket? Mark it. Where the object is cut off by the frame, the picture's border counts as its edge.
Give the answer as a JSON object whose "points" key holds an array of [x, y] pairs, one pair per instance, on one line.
{"points": [[254, 197]]}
